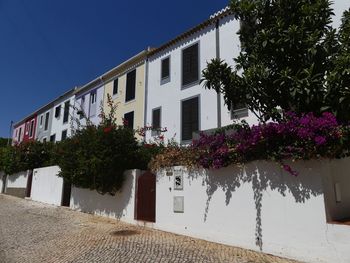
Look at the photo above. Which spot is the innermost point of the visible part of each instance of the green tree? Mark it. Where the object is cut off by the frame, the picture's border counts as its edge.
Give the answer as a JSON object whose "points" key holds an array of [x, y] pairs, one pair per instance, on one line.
{"points": [[338, 79], [4, 142], [286, 51]]}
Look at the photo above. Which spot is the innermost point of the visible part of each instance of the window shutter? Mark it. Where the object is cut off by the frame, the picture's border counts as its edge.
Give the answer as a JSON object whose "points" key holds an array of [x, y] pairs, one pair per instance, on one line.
{"points": [[64, 135], [156, 118], [66, 112], [190, 65], [190, 118], [115, 86], [130, 86], [129, 117], [58, 111], [165, 68], [47, 116]]}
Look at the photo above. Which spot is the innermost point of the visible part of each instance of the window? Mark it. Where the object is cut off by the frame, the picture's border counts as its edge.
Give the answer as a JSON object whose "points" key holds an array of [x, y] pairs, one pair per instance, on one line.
{"points": [[45, 139], [19, 134], [66, 112], [239, 110], [41, 120], [165, 71], [53, 138], [190, 65], [115, 87], [82, 108], [129, 120], [189, 118], [31, 129], [47, 116], [130, 86], [156, 115], [93, 99], [64, 135], [58, 111]]}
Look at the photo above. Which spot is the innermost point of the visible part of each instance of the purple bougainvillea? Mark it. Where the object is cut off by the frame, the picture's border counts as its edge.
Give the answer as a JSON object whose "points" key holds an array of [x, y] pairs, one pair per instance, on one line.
{"points": [[295, 137]]}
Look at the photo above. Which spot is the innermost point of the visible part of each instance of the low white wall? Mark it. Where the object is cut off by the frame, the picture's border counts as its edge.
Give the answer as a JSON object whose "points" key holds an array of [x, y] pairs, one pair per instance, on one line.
{"points": [[120, 206], [259, 207], [47, 186], [18, 180], [1, 181]]}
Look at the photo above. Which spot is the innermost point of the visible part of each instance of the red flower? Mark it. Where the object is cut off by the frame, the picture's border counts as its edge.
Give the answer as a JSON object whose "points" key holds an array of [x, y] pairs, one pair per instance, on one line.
{"points": [[107, 129]]}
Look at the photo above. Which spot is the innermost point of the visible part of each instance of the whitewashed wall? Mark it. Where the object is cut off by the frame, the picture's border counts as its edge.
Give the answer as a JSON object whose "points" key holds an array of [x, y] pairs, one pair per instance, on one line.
{"points": [[1, 181], [260, 207], [121, 206], [57, 122], [18, 180], [47, 186], [94, 118], [169, 95]]}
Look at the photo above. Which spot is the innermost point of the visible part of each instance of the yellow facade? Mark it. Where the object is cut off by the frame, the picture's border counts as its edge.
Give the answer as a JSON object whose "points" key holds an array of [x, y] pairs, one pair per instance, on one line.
{"points": [[137, 105]]}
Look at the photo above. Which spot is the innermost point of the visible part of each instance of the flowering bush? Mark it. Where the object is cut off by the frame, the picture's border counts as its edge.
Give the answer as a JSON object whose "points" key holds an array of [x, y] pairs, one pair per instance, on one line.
{"points": [[26, 156], [295, 137], [174, 154]]}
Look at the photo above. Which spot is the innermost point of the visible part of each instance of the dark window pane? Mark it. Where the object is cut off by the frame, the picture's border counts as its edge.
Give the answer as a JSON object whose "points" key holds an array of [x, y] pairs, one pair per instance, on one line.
{"points": [[156, 118], [66, 112], [47, 116], [53, 138], [156, 115], [64, 135], [19, 134], [189, 118], [165, 68], [58, 111], [31, 129], [190, 65], [129, 119], [115, 86], [82, 108], [130, 86]]}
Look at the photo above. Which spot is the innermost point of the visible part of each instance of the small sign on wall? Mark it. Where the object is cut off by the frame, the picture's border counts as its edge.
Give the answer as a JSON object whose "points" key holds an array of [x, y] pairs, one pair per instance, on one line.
{"points": [[178, 180], [178, 204]]}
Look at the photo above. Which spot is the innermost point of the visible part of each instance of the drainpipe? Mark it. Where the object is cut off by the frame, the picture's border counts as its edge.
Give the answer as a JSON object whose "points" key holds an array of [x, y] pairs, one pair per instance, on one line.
{"points": [[146, 92], [217, 39]]}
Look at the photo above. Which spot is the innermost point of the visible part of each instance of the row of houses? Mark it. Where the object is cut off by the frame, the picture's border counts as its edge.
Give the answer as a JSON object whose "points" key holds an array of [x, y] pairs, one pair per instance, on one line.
{"points": [[158, 87], [258, 206]]}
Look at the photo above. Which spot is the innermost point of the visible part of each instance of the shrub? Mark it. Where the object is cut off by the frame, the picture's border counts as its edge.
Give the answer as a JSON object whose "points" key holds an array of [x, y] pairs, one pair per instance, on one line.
{"points": [[26, 156], [295, 137]]}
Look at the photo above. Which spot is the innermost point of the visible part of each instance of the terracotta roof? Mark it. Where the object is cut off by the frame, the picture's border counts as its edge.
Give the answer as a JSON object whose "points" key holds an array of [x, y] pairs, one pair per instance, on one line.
{"points": [[212, 20], [121, 68], [46, 106]]}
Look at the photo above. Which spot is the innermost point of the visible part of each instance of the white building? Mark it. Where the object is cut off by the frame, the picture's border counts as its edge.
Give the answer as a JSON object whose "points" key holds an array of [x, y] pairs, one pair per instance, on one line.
{"points": [[176, 98], [89, 101], [62, 118]]}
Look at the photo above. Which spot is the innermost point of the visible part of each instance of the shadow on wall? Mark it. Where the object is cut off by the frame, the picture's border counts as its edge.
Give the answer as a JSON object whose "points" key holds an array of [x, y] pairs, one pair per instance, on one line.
{"points": [[262, 176], [105, 205]]}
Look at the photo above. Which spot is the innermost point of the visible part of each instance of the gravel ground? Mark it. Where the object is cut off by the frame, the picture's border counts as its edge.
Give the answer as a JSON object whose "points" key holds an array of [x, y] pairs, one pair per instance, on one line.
{"points": [[35, 232]]}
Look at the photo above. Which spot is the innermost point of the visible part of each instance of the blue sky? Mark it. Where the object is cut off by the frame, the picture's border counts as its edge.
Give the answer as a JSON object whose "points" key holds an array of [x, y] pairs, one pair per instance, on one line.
{"points": [[48, 47]]}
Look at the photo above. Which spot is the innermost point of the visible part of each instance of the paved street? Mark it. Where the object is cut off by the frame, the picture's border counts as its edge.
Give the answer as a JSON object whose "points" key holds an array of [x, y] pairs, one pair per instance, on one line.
{"points": [[34, 232]]}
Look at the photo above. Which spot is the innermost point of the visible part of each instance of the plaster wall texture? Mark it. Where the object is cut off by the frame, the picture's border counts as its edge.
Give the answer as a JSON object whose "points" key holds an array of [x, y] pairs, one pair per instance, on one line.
{"points": [[263, 208], [47, 187], [121, 206]]}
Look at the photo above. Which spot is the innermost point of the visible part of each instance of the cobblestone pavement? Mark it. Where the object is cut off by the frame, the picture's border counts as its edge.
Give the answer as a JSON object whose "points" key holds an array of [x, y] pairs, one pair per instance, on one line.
{"points": [[35, 232]]}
